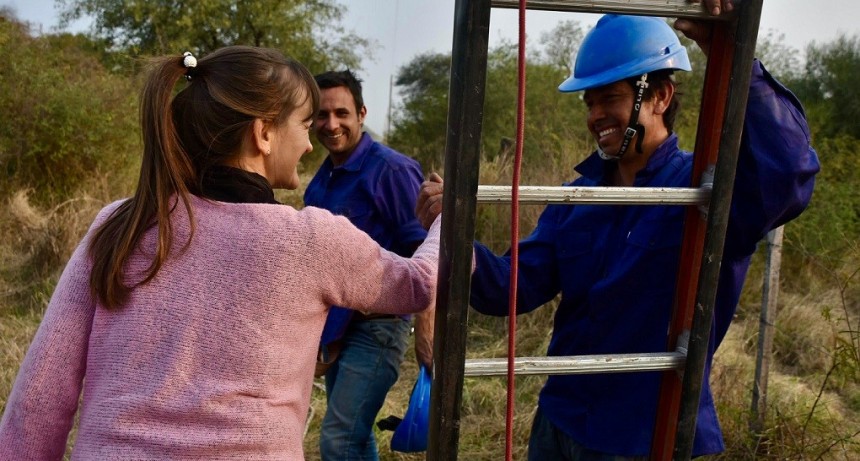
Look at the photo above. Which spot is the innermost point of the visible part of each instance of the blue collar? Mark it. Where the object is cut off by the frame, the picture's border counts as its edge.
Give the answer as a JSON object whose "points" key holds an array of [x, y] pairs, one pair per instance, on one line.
{"points": [[595, 168], [356, 158]]}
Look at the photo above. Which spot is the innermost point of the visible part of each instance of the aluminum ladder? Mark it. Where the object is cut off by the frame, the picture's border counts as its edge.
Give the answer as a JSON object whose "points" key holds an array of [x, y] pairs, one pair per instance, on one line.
{"points": [[718, 137]]}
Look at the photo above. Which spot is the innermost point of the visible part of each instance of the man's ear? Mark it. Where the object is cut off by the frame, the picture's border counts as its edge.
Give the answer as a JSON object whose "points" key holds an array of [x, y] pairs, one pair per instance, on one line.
{"points": [[662, 97], [362, 113], [262, 133]]}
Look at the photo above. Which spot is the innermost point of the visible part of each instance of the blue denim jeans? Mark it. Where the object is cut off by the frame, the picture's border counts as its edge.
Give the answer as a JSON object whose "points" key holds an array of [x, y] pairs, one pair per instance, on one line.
{"points": [[356, 386], [547, 442]]}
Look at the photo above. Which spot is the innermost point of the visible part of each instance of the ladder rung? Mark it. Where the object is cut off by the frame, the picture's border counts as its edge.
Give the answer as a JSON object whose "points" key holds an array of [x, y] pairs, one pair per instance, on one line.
{"points": [[665, 8], [599, 195], [577, 364]]}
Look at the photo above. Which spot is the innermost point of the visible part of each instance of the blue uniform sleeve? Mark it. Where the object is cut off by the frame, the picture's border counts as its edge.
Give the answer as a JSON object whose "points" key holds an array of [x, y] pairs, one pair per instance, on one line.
{"points": [[537, 282], [395, 197], [776, 165]]}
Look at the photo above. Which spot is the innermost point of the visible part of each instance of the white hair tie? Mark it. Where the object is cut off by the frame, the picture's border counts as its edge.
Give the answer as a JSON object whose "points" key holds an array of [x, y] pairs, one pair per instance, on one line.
{"points": [[189, 62]]}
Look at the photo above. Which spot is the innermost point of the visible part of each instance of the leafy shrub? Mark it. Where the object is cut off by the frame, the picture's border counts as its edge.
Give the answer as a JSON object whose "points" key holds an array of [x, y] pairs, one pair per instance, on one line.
{"points": [[67, 120]]}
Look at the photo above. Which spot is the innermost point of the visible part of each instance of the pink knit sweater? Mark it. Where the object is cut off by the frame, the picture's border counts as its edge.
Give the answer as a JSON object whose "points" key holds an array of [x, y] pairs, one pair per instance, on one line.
{"points": [[214, 358]]}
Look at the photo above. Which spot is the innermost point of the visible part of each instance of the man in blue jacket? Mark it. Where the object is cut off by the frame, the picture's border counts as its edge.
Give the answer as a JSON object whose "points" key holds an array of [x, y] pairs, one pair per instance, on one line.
{"points": [[376, 188], [615, 266]]}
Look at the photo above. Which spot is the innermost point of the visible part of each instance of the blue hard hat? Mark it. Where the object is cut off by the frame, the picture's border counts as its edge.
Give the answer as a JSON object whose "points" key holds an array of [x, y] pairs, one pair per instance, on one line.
{"points": [[620, 47], [411, 434]]}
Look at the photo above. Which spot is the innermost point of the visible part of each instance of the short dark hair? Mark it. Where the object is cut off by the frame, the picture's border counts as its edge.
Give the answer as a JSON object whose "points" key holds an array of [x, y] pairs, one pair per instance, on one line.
{"points": [[345, 78], [657, 79]]}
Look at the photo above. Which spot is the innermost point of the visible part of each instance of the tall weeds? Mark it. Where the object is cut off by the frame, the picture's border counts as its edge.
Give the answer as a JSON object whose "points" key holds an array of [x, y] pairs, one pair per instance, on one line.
{"points": [[39, 243]]}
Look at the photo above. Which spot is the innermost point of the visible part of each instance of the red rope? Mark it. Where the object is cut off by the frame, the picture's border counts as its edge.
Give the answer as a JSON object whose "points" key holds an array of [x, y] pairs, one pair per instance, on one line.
{"points": [[515, 230]]}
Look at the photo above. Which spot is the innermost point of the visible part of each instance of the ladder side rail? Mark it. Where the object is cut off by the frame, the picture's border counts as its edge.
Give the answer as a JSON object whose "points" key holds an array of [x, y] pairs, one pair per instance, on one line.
{"points": [[749, 16], [462, 160], [662, 8], [712, 111]]}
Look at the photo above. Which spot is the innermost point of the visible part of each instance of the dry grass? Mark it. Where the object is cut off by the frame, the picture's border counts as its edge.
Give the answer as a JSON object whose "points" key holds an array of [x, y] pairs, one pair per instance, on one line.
{"points": [[39, 243], [808, 416], [16, 332], [814, 409]]}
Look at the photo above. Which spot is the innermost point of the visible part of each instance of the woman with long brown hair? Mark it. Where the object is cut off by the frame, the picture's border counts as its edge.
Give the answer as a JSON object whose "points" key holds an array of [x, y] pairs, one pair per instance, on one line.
{"points": [[189, 315]]}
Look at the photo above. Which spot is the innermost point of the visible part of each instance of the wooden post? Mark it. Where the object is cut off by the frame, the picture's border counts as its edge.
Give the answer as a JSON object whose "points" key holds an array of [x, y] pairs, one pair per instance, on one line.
{"points": [[770, 293]]}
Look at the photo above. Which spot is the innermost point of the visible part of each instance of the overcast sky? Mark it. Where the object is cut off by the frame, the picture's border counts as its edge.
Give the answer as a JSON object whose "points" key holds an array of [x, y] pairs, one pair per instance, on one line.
{"points": [[405, 28]]}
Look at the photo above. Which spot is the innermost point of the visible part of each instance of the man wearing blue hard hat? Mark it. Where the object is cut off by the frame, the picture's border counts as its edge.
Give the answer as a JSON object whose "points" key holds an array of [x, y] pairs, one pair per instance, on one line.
{"points": [[615, 266]]}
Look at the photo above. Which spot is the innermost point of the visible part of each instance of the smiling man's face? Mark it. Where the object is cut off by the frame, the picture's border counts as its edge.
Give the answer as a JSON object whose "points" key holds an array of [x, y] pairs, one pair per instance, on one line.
{"points": [[338, 124]]}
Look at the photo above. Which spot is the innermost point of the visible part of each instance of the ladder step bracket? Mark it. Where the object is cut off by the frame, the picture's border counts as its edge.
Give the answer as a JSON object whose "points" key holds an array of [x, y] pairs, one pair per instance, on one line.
{"points": [[663, 8], [542, 195], [577, 364]]}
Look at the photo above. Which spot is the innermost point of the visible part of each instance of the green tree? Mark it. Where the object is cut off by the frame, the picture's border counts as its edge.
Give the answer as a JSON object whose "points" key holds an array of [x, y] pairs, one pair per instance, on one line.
{"points": [[828, 86], [561, 44], [420, 120], [782, 61], [308, 30]]}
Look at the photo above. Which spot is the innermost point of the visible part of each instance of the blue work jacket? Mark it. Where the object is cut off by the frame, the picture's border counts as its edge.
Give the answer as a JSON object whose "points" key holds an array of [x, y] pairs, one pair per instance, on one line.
{"points": [[376, 189], [616, 268]]}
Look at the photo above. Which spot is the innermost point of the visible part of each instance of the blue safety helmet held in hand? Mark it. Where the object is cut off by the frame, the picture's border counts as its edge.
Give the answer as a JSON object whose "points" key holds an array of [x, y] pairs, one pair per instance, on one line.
{"points": [[621, 47], [411, 434]]}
